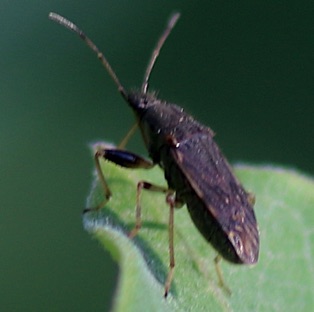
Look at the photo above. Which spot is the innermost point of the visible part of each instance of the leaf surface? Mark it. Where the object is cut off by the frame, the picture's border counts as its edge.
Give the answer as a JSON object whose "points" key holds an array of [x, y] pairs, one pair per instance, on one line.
{"points": [[283, 279]]}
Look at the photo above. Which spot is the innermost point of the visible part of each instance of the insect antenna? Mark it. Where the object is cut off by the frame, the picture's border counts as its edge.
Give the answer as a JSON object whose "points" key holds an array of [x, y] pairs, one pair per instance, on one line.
{"points": [[71, 26], [172, 22]]}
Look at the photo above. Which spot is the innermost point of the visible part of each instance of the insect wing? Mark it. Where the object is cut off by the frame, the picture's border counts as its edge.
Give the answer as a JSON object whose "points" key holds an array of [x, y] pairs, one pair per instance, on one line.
{"points": [[212, 179]]}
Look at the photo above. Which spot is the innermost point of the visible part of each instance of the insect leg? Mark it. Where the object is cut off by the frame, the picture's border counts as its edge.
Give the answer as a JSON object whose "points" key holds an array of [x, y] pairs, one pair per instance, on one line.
{"points": [[138, 215], [220, 276], [120, 157], [251, 199], [128, 136], [171, 200], [172, 204], [127, 159]]}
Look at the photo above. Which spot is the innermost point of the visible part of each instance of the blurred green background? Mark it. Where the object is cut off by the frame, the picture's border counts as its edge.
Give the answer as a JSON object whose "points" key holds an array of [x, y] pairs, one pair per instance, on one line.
{"points": [[246, 68]]}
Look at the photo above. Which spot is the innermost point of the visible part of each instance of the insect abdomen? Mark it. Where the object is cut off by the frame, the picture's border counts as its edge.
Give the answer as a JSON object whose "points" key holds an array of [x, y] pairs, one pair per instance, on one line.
{"points": [[201, 217], [211, 229]]}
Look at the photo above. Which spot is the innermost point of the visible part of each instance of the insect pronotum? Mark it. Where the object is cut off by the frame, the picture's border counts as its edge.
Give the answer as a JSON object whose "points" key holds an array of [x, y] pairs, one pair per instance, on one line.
{"points": [[196, 171]]}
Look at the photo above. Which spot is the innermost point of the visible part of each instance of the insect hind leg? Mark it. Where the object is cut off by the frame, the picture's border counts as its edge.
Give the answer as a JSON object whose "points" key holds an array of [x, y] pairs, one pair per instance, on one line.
{"points": [[221, 281], [120, 157]]}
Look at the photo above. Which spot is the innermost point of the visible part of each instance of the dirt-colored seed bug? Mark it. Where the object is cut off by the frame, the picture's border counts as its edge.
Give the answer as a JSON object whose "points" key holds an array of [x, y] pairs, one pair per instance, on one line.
{"points": [[197, 173]]}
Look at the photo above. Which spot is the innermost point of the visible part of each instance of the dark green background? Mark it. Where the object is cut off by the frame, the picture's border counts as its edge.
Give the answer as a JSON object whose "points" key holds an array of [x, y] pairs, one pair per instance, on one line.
{"points": [[243, 67]]}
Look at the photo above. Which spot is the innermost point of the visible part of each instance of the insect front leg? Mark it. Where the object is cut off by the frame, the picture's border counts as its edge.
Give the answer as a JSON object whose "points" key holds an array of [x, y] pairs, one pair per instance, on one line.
{"points": [[120, 157]]}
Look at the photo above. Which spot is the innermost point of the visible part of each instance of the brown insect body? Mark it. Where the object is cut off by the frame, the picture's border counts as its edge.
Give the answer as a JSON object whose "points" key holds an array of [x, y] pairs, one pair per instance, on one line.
{"points": [[197, 173], [200, 176]]}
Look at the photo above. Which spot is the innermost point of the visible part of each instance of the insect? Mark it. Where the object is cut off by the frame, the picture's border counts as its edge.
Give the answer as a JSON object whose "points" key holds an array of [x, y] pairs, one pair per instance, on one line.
{"points": [[196, 171]]}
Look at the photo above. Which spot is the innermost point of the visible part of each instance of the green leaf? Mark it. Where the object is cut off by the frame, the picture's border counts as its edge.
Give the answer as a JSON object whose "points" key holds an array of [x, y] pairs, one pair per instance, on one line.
{"points": [[283, 279]]}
